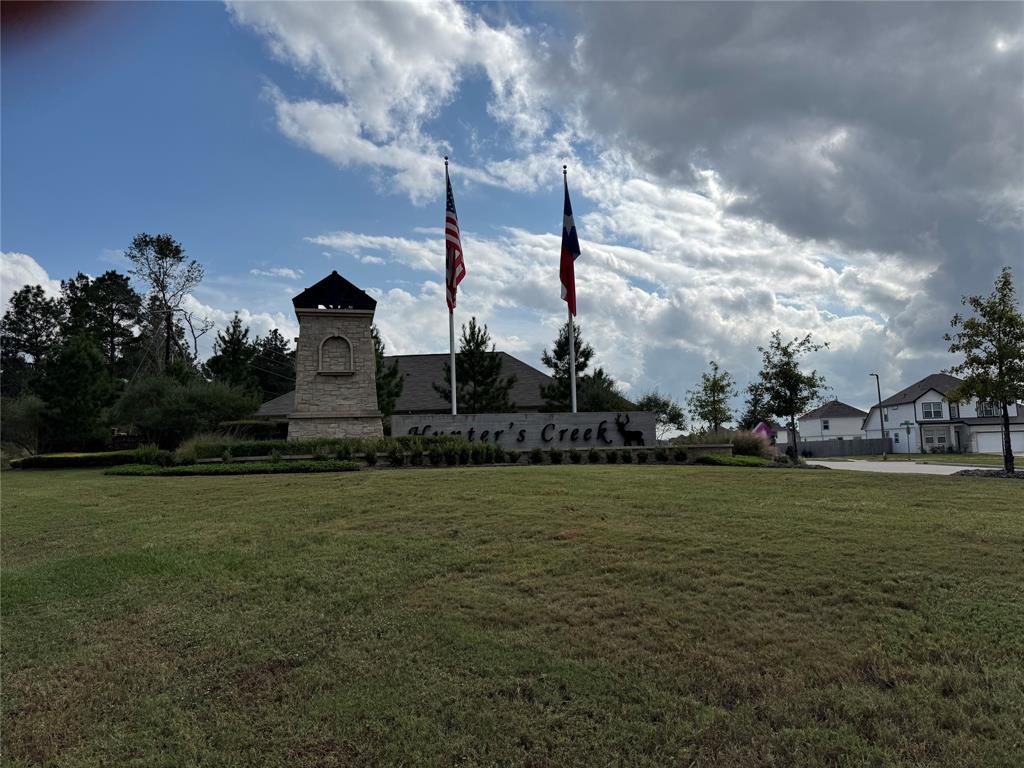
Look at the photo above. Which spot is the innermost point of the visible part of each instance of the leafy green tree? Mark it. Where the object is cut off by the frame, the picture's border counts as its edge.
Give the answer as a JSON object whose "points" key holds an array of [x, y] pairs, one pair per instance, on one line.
{"points": [[789, 390], [558, 395], [992, 344], [668, 414], [29, 331], [76, 389], [165, 410], [160, 263], [273, 365], [481, 387], [597, 391], [389, 379], [22, 421], [710, 402], [233, 356], [106, 308], [756, 407]]}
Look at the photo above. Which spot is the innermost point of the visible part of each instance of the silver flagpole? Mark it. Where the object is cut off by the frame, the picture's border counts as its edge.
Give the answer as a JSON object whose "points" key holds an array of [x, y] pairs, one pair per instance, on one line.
{"points": [[572, 362], [451, 339]]}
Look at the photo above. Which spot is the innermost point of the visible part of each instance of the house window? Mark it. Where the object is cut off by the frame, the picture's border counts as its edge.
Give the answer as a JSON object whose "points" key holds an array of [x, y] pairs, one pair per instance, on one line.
{"points": [[824, 425], [987, 409], [954, 411], [931, 410], [896, 438], [934, 436]]}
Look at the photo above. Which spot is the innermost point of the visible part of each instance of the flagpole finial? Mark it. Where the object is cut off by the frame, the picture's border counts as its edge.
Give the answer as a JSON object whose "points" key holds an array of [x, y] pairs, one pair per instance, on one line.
{"points": [[564, 171], [446, 159]]}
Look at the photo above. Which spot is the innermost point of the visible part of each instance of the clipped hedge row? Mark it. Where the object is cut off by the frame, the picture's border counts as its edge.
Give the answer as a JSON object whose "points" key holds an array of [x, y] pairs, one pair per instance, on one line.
{"points": [[215, 446], [144, 455], [718, 460], [245, 468]]}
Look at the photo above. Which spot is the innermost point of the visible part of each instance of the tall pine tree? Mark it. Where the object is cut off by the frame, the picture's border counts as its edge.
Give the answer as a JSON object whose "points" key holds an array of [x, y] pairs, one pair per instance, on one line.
{"points": [[273, 365], [481, 387], [389, 379], [557, 395], [233, 355]]}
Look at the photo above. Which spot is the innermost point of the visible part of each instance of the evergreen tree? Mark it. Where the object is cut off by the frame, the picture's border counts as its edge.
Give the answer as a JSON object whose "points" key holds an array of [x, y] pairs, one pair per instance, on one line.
{"points": [[756, 407], [233, 356], [273, 365], [992, 343], [389, 379], [710, 402], [598, 392], [787, 389], [106, 309], [668, 414], [557, 395], [76, 389], [29, 332], [481, 388]]}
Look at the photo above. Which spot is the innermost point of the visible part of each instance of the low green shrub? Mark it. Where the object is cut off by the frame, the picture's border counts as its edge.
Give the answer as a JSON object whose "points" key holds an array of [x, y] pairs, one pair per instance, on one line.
{"points": [[641, 457], [396, 456], [152, 454], [721, 460], [661, 454], [344, 453], [575, 456], [416, 454], [488, 453], [275, 456], [679, 454], [451, 455], [227, 457], [322, 453], [464, 452], [594, 456], [555, 454], [370, 457], [78, 460], [611, 456], [235, 468], [627, 456], [499, 454], [536, 456], [435, 455], [477, 454]]}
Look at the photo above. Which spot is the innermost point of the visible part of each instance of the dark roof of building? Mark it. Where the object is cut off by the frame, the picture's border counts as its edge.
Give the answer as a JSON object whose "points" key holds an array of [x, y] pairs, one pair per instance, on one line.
{"points": [[333, 292], [940, 382], [420, 372], [834, 410]]}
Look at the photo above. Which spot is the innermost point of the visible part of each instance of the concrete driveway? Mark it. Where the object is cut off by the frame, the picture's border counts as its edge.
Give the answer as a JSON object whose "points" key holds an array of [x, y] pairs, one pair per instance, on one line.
{"points": [[896, 467]]}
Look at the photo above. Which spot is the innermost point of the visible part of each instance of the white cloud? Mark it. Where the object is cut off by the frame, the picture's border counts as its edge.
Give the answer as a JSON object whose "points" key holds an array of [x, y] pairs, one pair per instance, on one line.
{"points": [[259, 323], [18, 270], [285, 272]]}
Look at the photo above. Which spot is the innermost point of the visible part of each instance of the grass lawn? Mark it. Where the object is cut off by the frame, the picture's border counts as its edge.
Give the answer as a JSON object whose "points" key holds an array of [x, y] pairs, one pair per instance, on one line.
{"points": [[969, 459], [555, 616]]}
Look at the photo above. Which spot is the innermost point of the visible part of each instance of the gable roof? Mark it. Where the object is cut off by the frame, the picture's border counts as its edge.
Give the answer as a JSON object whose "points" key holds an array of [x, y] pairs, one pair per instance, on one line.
{"points": [[941, 382], [334, 292], [420, 372], [834, 410]]}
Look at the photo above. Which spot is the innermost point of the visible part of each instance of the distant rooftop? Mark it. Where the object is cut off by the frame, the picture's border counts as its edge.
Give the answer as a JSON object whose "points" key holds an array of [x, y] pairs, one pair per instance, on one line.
{"points": [[941, 382], [835, 410]]}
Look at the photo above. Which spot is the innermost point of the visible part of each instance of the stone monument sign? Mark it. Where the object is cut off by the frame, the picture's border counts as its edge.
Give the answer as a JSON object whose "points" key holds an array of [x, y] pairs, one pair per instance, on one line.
{"points": [[335, 364]]}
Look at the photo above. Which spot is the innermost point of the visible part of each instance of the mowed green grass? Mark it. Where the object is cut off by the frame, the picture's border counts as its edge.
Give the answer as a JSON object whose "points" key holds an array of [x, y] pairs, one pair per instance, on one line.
{"points": [[555, 616]]}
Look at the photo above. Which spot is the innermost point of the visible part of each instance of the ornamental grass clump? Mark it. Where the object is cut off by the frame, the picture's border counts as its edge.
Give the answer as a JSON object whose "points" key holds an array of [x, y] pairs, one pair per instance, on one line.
{"points": [[750, 444], [575, 456], [536, 456], [641, 457], [594, 456], [436, 456], [227, 456], [555, 454], [477, 454], [396, 456], [451, 455], [153, 454], [679, 454], [661, 454], [344, 452], [612, 456], [416, 454], [370, 456], [627, 456], [275, 456]]}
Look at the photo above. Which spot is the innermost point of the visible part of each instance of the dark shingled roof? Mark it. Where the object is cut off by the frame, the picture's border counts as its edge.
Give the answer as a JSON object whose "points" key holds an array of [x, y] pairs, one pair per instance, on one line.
{"points": [[834, 410], [422, 371], [941, 382], [333, 292]]}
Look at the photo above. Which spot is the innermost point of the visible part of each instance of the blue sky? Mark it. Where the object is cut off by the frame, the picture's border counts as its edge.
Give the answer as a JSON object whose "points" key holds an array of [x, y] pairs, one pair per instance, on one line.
{"points": [[734, 168]]}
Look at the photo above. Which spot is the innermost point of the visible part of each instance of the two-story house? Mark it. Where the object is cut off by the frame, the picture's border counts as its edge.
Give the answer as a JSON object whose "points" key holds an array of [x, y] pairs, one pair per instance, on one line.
{"points": [[921, 418], [832, 421]]}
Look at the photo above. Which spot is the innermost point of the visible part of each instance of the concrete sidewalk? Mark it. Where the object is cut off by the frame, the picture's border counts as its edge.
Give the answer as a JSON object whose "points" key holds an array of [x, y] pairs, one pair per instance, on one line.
{"points": [[896, 467]]}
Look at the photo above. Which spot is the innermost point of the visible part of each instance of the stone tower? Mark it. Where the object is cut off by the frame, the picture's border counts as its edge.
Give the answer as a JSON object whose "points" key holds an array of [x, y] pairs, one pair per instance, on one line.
{"points": [[335, 364]]}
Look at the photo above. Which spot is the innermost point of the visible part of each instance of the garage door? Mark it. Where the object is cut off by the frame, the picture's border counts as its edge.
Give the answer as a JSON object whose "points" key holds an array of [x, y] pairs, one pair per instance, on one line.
{"points": [[992, 442]]}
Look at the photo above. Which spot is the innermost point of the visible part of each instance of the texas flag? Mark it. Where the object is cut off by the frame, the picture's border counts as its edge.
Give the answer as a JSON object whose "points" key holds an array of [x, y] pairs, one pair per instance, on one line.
{"points": [[570, 252]]}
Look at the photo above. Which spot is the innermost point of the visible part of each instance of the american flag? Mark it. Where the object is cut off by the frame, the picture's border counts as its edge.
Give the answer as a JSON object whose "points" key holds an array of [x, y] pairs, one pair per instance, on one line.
{"points": [[570, 252], [454, 266]]}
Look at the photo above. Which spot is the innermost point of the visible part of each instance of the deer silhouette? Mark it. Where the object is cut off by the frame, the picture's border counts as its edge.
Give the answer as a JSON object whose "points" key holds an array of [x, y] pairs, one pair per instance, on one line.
{"points": [[629, 436]]}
